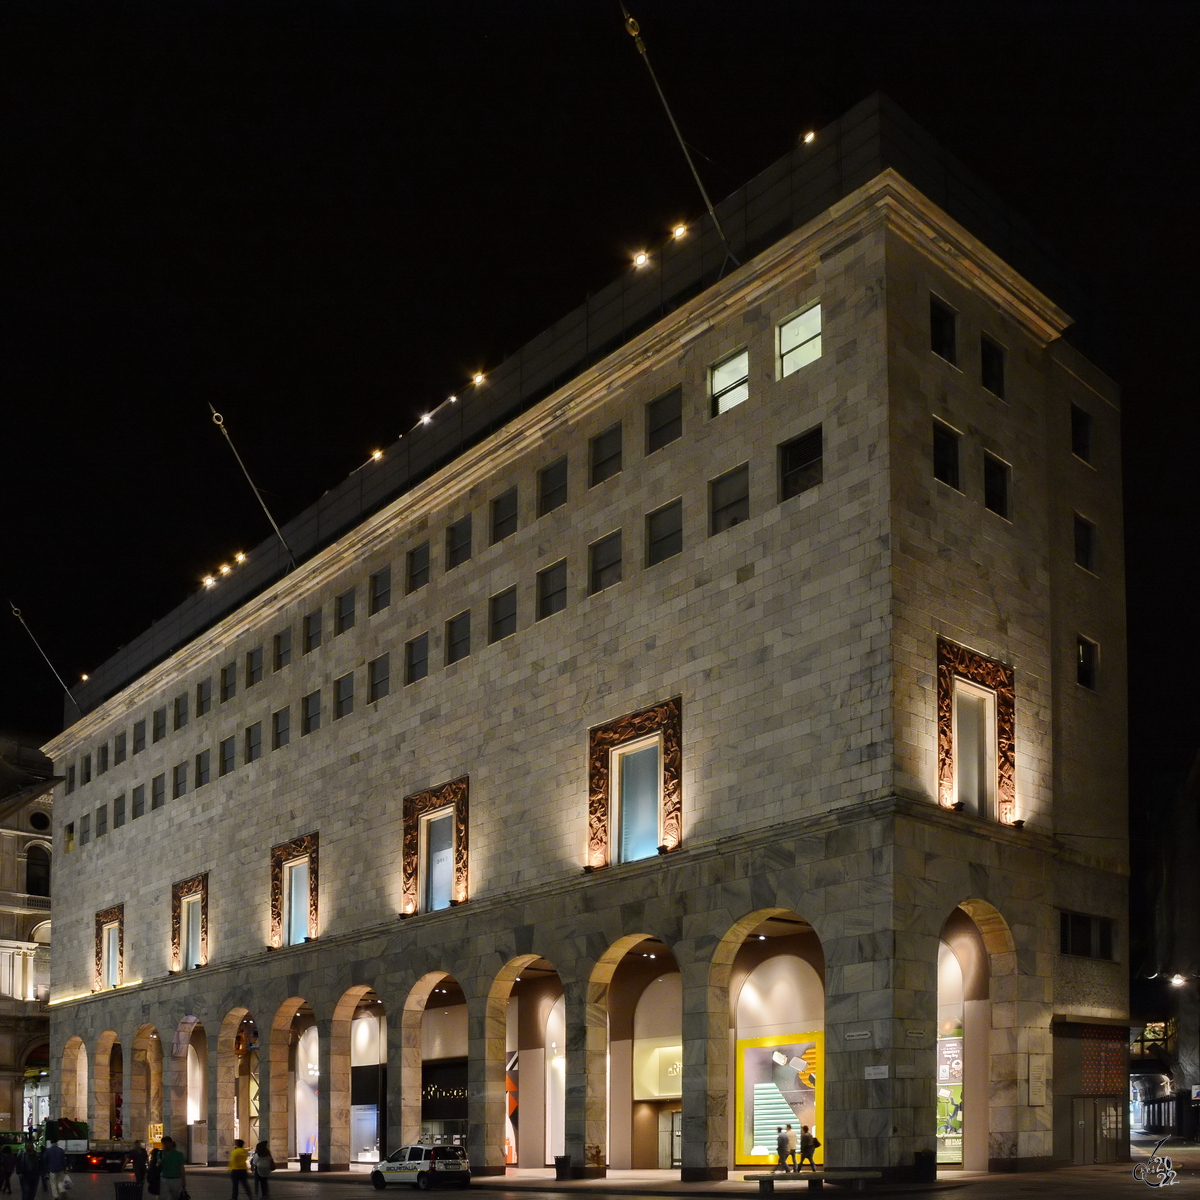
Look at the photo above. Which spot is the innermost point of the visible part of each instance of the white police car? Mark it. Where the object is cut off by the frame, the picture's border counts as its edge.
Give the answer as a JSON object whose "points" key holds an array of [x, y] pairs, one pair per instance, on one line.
{"points": [[424, 1167]]}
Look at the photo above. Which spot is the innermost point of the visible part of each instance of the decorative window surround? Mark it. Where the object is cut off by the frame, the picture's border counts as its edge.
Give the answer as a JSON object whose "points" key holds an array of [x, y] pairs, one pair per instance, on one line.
{"points": [[108, 916], [305, 846], [957, 662], [196, 886], [454, 794], [665, 719]]}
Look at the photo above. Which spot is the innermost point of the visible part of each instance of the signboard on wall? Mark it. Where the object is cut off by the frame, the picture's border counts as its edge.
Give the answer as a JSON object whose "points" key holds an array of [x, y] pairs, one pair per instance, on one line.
{"points": [[949, 1062], [780, 1081]]}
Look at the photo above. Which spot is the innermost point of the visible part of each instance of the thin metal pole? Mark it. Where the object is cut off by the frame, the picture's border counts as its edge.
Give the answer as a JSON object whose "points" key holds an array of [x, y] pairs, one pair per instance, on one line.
{"points": [[16, 612]]}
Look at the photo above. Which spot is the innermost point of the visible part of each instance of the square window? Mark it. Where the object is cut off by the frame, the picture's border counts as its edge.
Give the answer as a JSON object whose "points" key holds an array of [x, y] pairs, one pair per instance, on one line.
{"points": [[119, 812], [226, 756], [313, 627], [102, 759], [1081, 433], [943, 339], [310, 713], [552, 589], [343, 612], [253, 744], [991, 366], [203, 697], [437, 861], [228, 682], [379, 591], [180, 718], [502, 615], [179, 781], [552, 486], [801, 464], [504, 515], [664, 533], [945, 455], [604, 563], [158, 791], [379, 677], [190, 917], [118, 749], [254, 666], [416, 572], [1087, 660], [158, 726], [799, 341], [636, 799], [1085, 936], [604, 455], [110, 954], [996, 485], [85, 829], [139, 736], [281, 728], [664, 420], [343, 696], [1085, 543], [137, 801], [458, 637], [729, 382], [416, 659], [295, 892], [729, 499], [974, 749], [203, 767], [458, 543], [102, 820], [85, 764], [282, 649]]}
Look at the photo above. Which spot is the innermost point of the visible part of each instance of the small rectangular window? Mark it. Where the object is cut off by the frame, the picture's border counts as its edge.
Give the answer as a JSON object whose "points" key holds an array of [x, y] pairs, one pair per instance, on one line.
{"points": [[69, 836], [604, 455], [552, 589], [190, 919], [1085, 936], [502, 615], [203, 767], [180, 717], [203, 697], [1085, 543], [636, 770], [313, 627], [253, 746], [228, 682], [664, 420], [438, 860], [379, 591], [416, 659], [458, 637], [945, 455], [991, 365], [281, 728], [379, 677], [800, 341], [282, 649], [102, 820], [179, 781], [102, 759], [458, 543], [943, 339], [85, 764], [343, 696], [729, 499], [139, 736], [729, 382], [137, 801], [416, 573], [552, 486], [118, 749], [119, 811], [604, 563], [310, 713], [995, 485], [801, 464], [158, 725], [110, 954], [85, 829], [254, 666], [1087, 660], [974, 717], [1081, 433], [70, 779], [226, 756], [664, 533], [343, 612], [504, 515], [295, 892], [158, 791]]}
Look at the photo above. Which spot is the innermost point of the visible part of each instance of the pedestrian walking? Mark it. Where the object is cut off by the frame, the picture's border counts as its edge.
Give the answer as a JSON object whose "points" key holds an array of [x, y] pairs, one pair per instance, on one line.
{"points": [[140, 1159], [781, 1149], [791, 1154], [54, 1167], [8, 1163], [239, 1161], [808, 1144], [172, 1179], [264, 1164], [29, 1169]]}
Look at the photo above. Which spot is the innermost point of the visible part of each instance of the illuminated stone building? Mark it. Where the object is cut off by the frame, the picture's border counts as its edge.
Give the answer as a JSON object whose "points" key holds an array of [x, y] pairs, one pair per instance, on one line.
{"points": [[712, 717]]}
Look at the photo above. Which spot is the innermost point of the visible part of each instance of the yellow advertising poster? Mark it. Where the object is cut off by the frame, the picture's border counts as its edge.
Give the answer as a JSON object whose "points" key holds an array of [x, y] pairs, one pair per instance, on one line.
{"points": [[780, 1081]]}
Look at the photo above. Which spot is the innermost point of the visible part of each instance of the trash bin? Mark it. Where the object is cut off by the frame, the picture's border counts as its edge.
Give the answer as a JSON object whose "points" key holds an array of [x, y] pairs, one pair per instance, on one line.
{"points": [[562, 1166], [926, 1164], [306, 1162], [128, 1189]]}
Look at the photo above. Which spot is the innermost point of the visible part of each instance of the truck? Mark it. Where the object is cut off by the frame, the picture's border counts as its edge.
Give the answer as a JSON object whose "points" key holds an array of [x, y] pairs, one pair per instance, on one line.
{"points": [[84, 1154]]}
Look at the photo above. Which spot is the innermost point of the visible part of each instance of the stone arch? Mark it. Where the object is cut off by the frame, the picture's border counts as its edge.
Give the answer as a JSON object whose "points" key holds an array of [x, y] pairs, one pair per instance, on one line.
{"points": [[74, 1076], [38, 860], [237, 1044], [145, 1082], [188, 1072], [341, 1151], [107, 1084], [282, 1100], [411, 1051]]}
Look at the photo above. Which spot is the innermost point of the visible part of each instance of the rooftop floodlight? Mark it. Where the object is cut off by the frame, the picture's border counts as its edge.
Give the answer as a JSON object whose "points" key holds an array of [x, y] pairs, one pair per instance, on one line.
{"points": [[239, 557], [453, 399], [376, 455], [809, 137], [225, 568], [477, 378], [641, 258], [425, 418], [209, 581], [1177, 981], [679, 231]]}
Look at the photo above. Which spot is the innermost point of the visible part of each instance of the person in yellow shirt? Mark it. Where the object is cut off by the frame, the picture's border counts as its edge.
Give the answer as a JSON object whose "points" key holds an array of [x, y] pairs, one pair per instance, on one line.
{"points": [[239, 1161]]}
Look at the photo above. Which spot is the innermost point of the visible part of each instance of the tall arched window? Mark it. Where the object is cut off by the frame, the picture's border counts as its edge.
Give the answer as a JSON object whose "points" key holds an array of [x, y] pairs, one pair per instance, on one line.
{"points": [[37, 871]]}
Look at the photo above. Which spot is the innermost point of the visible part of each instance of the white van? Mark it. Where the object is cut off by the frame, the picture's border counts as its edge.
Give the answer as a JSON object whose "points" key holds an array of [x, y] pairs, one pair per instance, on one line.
{"points": [[424, 1167]]}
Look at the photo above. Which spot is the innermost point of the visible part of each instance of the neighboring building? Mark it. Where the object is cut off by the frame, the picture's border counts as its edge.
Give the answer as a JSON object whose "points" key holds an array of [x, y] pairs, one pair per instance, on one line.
{"points": [[715, 718], [26, 794]]}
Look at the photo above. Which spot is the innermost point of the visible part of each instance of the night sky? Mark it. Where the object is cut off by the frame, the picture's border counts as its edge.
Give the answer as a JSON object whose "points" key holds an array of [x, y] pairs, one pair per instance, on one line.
{"points": [[322, 217]]}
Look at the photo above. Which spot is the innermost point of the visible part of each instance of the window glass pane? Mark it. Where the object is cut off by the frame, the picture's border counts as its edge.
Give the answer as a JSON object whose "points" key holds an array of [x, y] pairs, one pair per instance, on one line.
{"points": [[254, 666], [991, 366], [343, 612], [730, 499], [800, 341], [971, 751], [552, 487], [504, 515], [552, 589], [637, 819], [800, 464], [605, 558], [458, 543], [379, 677], [297, 901], [664, 420], [664, 533], [995, 485], [1081, 433], [503, 615], [416, 659], [1085, 543], [439, 862], [945, 455], [417, 572], [605, 455], [458, 637], [730, 382], [191, 925], [941, 330], [112, 955], [283, 649]]}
